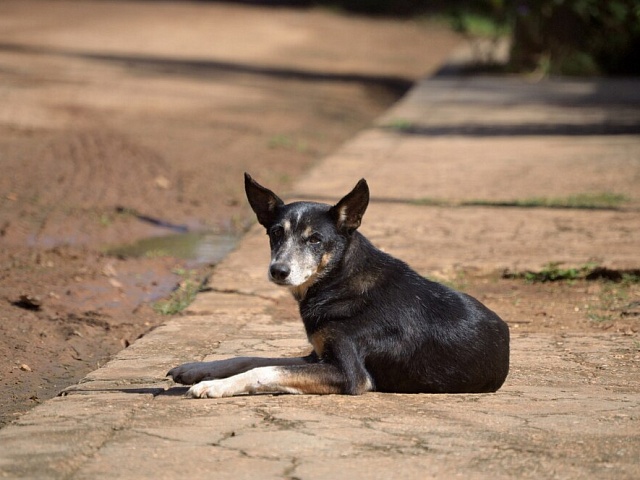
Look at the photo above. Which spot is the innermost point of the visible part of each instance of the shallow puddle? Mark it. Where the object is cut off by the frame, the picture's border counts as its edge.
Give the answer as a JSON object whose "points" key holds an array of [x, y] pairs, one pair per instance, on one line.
{"points": [[197, 247]]}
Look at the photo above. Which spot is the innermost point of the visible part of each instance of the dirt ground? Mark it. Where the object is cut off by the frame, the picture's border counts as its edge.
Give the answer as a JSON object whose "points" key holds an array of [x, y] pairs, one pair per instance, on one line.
{"points": [[122, 121]]}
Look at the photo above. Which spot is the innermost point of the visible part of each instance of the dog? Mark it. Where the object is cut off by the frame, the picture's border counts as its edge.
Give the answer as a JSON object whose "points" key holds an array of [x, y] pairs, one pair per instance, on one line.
{"points": [[373, 322]]}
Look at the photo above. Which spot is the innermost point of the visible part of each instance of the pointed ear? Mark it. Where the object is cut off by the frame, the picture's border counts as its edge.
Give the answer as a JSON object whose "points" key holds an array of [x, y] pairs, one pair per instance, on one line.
{"points": [[263, 201], [348, 212]]}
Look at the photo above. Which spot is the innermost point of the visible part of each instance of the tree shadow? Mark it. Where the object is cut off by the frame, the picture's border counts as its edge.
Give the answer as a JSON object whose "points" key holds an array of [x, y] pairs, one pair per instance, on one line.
{"points": [[213, 69], [525, 129]]}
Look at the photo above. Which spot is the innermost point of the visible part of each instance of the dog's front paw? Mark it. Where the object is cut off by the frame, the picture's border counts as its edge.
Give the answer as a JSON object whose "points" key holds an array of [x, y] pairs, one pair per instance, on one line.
{"points": [[194, 372], [186, 374], [208, 389]]}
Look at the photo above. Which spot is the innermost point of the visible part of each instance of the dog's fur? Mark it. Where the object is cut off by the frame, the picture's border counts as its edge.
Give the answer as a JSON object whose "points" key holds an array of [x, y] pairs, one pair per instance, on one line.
{"points": [[374, 323]]}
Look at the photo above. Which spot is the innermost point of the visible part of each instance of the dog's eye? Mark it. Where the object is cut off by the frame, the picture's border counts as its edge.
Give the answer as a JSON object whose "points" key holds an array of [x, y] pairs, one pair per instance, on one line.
{"points": [[277, 232], [314, 239]]}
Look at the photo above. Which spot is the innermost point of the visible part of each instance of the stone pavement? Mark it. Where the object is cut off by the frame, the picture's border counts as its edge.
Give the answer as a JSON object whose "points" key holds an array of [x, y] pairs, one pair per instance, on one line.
{"points": [[571, 405]]}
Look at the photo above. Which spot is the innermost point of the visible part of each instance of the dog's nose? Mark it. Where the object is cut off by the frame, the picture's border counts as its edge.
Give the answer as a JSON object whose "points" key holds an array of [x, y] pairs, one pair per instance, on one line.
{"points": [[279, 271]]}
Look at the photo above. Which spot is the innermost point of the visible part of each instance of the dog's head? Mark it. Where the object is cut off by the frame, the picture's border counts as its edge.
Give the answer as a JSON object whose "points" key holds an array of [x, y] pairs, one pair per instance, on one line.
{"points": [[307, 239]]}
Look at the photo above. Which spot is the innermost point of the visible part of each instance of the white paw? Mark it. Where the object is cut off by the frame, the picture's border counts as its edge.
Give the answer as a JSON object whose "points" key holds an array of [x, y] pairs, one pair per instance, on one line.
{"points": [[258, 380], [208, 389]]}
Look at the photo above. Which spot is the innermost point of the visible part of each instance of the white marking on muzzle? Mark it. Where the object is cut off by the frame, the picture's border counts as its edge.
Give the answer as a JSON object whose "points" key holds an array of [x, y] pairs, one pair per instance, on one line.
{"points": [[301, 263]]}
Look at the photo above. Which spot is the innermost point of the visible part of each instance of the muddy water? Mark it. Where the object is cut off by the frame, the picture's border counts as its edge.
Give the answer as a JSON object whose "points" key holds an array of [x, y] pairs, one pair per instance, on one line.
{"points": [[197, 248]]}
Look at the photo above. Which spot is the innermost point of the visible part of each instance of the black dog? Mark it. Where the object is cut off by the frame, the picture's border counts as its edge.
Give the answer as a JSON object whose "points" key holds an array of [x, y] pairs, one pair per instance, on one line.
{"points": [[373, 322]]}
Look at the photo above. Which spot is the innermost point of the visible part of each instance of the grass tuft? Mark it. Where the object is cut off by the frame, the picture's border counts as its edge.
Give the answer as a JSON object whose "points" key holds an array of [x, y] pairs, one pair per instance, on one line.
{"points": [[593, 201], [400, 125], [581, 201], [182, 296], [553, 272]]}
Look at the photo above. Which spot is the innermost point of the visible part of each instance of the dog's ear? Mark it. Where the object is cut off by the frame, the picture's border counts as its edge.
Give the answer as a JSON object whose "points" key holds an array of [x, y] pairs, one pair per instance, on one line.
{"points": [[348, 212], [262, 200]]}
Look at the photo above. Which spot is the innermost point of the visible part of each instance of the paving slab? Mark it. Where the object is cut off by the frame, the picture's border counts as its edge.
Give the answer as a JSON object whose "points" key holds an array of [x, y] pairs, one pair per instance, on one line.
{"points": [[496, 139], [570, 407]]}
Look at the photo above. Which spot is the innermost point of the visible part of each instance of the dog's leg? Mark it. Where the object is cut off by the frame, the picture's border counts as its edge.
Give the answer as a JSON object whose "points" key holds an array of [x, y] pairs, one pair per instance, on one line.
{"points": [[190, 373], [311, 379]]}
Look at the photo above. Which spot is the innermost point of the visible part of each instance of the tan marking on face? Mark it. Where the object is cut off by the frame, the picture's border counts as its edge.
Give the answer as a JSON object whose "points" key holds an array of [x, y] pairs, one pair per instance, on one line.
{"points": [[307, 232], [286, 225], [324, 261]]}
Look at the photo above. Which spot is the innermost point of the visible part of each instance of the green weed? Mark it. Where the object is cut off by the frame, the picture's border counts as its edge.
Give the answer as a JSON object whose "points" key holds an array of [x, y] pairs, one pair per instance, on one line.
{"points": [[552, 272], [431, 202], [400, 125], [157, 253], [587, 201], [182, 296]]}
